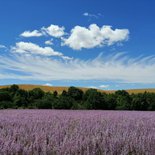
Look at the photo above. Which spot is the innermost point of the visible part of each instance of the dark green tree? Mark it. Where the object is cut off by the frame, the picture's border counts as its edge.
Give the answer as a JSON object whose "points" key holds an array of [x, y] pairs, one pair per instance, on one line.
{"points": [[64, 93], [75, 93], [5, 96], [36, 93], [43, 104], [64, 102], [6, 105], [111, 101], [55, 93], [13, 88], [123, 100], [94, 99], [141, 101]]}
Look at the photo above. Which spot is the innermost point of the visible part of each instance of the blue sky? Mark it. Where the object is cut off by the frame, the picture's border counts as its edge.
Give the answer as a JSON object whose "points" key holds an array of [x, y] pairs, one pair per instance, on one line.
{"points": [[104, 44]]}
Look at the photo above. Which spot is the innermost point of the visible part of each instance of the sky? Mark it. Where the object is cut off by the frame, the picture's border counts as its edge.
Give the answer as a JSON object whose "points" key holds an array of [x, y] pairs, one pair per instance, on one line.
{"points": [[105, 44]]}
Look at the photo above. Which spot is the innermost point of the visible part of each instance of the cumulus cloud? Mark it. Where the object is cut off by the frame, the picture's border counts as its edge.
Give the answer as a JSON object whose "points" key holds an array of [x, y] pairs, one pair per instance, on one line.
{"points": [[34, 33], [93, 36], [118, 68], [31, 48], [82, 37], [103, 86], [54, 31], [48, 42], [48, 84]]}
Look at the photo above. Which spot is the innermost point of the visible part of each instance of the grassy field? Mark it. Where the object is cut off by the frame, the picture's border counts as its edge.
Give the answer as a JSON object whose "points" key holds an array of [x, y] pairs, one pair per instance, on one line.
{"points": [[48, 88], [60, 89]]}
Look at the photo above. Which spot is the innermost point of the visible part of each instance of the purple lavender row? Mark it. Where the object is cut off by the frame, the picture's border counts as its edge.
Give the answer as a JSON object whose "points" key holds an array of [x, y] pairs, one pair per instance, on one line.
{"points": [[62, 132]]}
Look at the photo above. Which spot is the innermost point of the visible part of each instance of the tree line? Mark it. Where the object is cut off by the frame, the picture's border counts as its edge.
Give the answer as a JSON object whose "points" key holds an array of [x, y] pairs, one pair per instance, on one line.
{"points": [[74, 98]]}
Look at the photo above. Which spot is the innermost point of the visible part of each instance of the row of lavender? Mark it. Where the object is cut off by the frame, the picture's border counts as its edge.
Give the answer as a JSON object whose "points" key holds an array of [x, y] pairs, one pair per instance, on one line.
{"points": [[59, 132]]}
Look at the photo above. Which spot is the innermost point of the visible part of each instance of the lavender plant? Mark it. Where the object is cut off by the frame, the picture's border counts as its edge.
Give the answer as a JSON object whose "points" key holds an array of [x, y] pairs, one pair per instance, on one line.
{"points": [[62, 132]]}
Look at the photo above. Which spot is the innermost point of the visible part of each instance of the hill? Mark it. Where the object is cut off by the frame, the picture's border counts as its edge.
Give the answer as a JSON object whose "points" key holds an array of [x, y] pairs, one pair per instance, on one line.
{"points": [[60, 89]]}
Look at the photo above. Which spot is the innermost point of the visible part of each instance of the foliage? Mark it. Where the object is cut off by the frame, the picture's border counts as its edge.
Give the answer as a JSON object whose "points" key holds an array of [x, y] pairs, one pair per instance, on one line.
{"points": [[94, 99], [123, 101], [36, 93], [75, 98], [5, 96], [75, 93]]}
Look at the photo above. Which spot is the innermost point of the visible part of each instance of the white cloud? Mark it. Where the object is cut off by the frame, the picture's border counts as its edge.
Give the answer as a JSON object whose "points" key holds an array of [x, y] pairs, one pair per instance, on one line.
{"points": [[93, 87], [82, 37], [48, 84], [90, 15], [3, 46], [31, 48], [118, 68], [54, 31], [103, 86], [67, 57], [34, 33], [93, 36], [48, 42], [86, 14]]}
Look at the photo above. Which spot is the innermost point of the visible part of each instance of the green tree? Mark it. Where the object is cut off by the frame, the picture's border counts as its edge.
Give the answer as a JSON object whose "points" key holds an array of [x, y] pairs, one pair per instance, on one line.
{"points": [[141, 101], [36, 93], [64, 102], [75, 93], [123, 100], [121, 93], [43, 104], [6, 105], [64, 93], [151, 101], [5, 96], [21, 98], [94, 99], [13, 88], [111, 101]]}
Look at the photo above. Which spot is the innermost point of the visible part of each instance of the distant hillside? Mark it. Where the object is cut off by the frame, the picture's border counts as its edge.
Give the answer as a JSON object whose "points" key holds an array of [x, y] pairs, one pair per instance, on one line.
{"points": [[150, 90], [60, 89], [46, 88]]}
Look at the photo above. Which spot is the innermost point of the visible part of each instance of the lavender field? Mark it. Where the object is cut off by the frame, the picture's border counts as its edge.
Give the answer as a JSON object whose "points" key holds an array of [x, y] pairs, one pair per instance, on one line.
{"points": [[62, 132]]}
